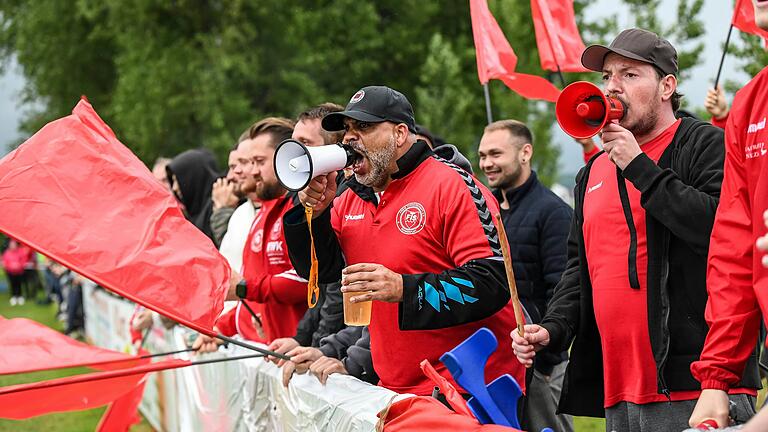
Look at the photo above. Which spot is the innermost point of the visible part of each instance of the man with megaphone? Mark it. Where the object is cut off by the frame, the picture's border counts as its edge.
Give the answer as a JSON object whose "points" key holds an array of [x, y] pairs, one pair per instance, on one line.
{"points": [[632, 296], [412, 233]]}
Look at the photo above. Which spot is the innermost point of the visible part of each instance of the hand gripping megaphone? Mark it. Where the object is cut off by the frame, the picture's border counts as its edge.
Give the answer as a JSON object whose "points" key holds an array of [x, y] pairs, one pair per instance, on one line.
{"points": [[297, 164], [582, 109]]}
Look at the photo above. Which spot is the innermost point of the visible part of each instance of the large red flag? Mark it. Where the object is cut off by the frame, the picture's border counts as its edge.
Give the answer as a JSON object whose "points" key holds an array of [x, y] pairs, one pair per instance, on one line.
{"points": [[557, 35], [29, 346], [744, 19], [74, 193], [497, 60]]}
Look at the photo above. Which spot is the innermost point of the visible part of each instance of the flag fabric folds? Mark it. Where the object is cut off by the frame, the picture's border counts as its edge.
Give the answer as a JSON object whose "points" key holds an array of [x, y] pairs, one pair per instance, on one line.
{"points": [[29, 346], [497, 60], [744, 19], [76, 194], [557, 35]]}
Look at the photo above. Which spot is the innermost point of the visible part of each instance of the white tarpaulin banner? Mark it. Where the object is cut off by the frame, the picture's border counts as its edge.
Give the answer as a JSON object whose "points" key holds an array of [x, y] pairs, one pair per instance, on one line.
{"points": [[243, 395]]}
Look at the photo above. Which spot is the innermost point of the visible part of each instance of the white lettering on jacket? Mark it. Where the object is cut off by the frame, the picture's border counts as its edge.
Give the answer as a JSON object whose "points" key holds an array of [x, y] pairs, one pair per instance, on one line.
{"points": [[754, 127], [350, 217]]}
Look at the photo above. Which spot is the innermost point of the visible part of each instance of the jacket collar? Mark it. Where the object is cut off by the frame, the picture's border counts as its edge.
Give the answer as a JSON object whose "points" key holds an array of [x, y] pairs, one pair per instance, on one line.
{"points": [[418, 153], [514, 196]]}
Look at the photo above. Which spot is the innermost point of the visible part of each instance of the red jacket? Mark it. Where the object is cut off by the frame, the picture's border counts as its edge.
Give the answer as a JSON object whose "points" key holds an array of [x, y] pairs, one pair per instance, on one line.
{"points": [[432, 225], [239, 320], [269, 275], [737, 283]]}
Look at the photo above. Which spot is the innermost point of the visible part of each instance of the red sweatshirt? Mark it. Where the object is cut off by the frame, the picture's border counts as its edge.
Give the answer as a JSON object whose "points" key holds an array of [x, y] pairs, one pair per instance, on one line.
{"points": [[737, 283], [269, 275]]}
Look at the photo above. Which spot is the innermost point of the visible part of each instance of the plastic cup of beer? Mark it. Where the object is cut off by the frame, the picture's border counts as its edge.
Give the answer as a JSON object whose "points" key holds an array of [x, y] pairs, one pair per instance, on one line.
{"points": [[356, 314]]}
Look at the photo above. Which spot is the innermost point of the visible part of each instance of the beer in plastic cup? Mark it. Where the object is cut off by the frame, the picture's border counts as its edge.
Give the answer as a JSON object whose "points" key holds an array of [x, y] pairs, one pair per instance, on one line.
{"points": [[356, 314]]}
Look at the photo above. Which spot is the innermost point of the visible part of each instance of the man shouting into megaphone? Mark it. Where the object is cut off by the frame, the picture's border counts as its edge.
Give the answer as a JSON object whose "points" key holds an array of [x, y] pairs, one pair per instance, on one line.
{"points": [[633, 294]]}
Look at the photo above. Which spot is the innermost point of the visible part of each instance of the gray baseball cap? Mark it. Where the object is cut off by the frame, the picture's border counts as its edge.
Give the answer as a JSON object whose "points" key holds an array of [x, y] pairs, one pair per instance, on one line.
{"points": [[636, 44]]}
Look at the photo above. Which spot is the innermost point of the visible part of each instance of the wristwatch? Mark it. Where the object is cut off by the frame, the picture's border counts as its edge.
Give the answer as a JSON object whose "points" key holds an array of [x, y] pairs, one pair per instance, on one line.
{"points": [[241, 289]]}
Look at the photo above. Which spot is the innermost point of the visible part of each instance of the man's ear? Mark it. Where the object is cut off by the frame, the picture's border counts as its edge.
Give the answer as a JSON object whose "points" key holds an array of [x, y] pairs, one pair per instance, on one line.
{"points": [[401, 134], [668, 87]]}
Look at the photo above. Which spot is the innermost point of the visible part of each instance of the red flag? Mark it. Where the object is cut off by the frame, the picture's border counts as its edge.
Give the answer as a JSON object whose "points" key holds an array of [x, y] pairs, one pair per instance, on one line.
{"points": [[74, 193], [497, 60], [29, 346], [123, 412], [557, 35], [744, 19]]}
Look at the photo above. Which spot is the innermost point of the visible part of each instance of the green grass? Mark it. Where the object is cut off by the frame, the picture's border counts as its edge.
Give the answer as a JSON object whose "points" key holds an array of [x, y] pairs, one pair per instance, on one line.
{"points": [[588, 424], [74, 421]]}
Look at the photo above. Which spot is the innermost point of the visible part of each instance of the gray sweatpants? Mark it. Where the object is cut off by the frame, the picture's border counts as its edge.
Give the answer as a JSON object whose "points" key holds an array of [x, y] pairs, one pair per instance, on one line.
{"points": [[666, 416], [543, 395]]}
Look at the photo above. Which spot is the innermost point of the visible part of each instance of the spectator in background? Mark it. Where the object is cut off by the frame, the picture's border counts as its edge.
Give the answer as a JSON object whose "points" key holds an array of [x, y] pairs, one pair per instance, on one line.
{"points": [[31, 277], [226, 195], [191, 175], [14, 259], [536, 222]]}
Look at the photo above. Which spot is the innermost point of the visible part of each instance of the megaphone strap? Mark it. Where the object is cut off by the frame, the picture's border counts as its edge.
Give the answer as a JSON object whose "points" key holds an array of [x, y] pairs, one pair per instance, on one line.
{"points": [[313, 290]]}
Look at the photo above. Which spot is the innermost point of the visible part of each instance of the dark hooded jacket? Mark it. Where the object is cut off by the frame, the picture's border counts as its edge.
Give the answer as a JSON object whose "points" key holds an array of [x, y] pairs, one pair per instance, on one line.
{"points": [[195, 171]]}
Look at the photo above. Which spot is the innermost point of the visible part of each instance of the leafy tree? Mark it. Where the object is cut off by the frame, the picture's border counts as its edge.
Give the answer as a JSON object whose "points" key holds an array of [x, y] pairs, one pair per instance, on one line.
{"points": [[172, 75]]}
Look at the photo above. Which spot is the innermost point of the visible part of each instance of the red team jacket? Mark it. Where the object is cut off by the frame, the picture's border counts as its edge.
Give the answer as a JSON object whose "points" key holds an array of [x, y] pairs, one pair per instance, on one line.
{"points": [[273, 287], [433, 226], [737, 283]]}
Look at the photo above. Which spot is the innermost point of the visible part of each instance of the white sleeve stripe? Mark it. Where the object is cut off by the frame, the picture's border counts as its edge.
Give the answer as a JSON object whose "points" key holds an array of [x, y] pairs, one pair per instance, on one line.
{"points": [[292, 276]]}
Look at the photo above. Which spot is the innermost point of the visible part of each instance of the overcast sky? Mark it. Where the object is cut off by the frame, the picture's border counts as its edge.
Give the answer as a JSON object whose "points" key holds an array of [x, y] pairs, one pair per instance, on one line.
{"points": [[716, 15]]}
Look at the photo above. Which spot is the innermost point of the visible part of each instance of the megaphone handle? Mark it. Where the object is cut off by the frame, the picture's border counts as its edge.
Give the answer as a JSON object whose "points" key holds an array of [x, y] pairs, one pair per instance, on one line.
{"points": [[313, 290]]}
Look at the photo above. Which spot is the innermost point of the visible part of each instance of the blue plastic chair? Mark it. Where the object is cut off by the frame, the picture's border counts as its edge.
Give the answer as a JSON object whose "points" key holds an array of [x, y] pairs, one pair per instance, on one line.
{"points": [[493, 403]]}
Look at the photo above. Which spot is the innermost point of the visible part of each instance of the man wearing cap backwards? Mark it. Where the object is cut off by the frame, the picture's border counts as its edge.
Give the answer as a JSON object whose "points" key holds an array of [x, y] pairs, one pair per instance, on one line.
{"points": [[737, 280], [414, 234], [632, 296]]}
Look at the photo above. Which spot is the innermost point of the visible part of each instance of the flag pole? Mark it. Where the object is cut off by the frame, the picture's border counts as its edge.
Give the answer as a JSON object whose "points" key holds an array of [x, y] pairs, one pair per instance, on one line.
{"points": [[725, 50], [488, 103]]}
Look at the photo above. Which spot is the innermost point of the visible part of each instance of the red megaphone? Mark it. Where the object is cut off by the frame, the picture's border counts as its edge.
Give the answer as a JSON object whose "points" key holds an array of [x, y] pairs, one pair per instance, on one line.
{"points": [[582, 109]]}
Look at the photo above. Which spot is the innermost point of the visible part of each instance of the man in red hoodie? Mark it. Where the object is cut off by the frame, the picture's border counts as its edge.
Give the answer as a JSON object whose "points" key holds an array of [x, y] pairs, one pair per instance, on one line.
{"points": [[268, 276], [737, 283]]}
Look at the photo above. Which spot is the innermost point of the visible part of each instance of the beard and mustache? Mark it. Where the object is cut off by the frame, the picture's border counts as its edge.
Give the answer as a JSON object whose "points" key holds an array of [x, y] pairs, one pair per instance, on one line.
{"points": [[379, 161]]}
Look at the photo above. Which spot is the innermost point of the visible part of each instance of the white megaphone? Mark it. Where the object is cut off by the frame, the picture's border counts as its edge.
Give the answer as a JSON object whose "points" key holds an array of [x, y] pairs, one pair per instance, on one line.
{"points": [[297, 164]]}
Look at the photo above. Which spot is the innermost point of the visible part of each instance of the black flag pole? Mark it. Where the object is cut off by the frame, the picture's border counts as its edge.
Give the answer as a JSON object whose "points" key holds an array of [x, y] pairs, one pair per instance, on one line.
{"points": [[722, 59], [252, 347]]}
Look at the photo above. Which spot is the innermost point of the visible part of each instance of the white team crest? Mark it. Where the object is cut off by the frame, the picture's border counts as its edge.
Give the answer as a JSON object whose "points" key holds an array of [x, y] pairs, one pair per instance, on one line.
{"points": [[257, 241], [357, 97], [411, 218]]}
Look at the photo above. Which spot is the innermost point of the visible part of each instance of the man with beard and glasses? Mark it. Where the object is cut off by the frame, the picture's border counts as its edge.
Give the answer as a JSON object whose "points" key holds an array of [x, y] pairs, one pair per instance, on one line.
{"points": [[737, 277], [413, 233], [632, 296], [536, 221], [268, 278]]}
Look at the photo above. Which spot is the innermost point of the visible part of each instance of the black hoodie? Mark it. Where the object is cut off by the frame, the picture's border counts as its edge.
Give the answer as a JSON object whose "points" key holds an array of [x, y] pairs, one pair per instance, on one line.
{"points": [[195, 170]]}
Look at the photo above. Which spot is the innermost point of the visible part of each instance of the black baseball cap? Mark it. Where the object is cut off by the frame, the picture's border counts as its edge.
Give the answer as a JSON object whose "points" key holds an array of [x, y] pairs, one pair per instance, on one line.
{"points": [[636, 44], [373, 104]]}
